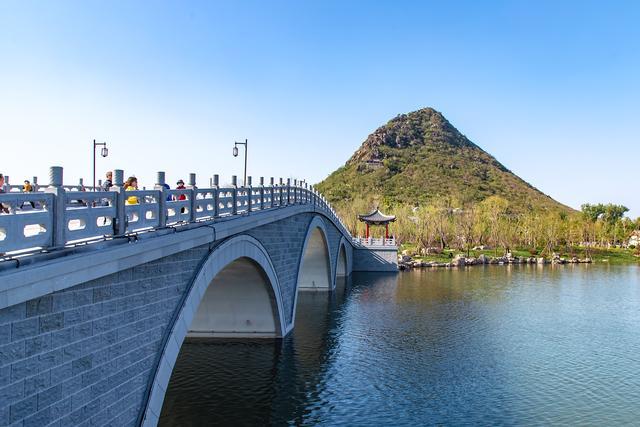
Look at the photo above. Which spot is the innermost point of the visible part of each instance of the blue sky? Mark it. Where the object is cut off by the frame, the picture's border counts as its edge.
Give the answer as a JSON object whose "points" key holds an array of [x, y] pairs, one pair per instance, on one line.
{"points": [[551, 89]]}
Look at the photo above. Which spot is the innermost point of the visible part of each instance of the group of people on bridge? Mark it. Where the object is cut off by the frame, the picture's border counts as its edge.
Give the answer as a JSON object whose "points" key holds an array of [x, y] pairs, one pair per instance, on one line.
{"points": [[131, 184]]}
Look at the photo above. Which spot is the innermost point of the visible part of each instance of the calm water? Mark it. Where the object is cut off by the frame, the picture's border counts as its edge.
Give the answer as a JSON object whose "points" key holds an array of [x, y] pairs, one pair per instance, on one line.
{"points": [[497, 345]]}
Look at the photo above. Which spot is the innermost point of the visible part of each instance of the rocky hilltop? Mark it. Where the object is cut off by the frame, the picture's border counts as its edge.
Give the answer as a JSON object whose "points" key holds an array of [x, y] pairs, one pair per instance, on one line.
{"points": [[420, 155]]}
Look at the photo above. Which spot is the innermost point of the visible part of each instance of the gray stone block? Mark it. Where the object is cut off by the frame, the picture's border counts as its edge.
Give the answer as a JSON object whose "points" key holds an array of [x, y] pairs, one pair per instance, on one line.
{"points": [[24, 368], [39, 306], [49, 396], [82, 297], [37, 344], [24, 328], [81, 398], [5, 333], [91, 312], [13, 313], [51, 322], [82, 364], [82, 331], [37, 383], [61, 408], [62, 301], [10, 353], [4, 416], [71, 386], [50, 359], [12, 393], [5, 374], [61, 338], [23, 408], [61, 373], [39, 419]]}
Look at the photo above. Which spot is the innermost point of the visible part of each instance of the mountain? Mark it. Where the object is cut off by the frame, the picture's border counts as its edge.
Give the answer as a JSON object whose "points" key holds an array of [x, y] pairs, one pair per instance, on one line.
{"points": [[418, 156]]}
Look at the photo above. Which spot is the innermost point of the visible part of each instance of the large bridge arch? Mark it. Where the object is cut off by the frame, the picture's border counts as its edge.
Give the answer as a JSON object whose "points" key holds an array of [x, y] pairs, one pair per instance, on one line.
{"points": [[216, 280]]}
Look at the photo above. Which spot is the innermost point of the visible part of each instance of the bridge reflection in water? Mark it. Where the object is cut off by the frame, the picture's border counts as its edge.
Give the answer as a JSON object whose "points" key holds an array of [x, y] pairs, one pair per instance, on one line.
{"points": [[257, 382]]}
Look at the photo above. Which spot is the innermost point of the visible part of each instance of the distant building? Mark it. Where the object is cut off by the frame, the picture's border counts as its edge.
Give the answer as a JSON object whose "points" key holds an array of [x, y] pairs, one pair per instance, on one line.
{"points": [[634, 239]]}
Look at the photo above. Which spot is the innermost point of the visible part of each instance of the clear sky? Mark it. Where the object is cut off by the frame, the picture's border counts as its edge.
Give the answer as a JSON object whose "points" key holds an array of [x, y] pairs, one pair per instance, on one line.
{"points": [[550, 88]]}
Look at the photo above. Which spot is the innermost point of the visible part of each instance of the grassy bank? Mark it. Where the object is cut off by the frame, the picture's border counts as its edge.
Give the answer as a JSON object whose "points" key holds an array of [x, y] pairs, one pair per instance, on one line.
{"points": [[610, 256]]}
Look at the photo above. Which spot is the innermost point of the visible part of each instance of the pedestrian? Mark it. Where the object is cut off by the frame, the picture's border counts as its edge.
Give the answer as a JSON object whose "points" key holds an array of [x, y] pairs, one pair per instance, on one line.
{"points": [[106, 186], [131, 185], [166, 187], [108, 183], [180, 186], [28, 188], [3, 208]]}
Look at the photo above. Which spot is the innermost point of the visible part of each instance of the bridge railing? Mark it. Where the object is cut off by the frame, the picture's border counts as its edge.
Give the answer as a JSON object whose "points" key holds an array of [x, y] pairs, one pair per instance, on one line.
{"points": [[374, 241], [59, 215]]}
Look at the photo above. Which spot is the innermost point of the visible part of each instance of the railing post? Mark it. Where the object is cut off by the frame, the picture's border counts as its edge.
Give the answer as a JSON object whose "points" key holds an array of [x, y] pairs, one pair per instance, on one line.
{"points": [[216, 198], [280, 193], [288, 191], [261, 192], [59, 205], [234, 185], [248, 189], [271, 181], [120, 221], [81, 184], [35, 183], [192, 197], [295, 191], [162, 202]]}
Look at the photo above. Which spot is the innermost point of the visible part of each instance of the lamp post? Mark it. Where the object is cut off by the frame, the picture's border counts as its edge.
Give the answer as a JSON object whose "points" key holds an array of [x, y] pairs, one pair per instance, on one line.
{"points": [[235, 154], [104, 152]]}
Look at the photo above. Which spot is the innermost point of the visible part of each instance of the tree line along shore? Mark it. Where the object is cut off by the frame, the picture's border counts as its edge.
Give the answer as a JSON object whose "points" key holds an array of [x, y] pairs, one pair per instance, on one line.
{"points": [[494, 232]]}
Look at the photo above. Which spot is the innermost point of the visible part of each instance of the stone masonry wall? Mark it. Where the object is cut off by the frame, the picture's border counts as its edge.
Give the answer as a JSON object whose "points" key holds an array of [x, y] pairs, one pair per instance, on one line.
{"points": [[83, 356]]}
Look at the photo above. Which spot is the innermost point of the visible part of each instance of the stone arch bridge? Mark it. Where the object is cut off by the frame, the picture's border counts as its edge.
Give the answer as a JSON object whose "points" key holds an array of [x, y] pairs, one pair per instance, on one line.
{"points": [[98, 291]]}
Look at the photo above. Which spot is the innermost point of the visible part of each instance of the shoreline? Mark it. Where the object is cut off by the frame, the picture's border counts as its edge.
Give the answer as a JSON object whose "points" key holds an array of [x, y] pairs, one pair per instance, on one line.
{"points": [[461, 261]]}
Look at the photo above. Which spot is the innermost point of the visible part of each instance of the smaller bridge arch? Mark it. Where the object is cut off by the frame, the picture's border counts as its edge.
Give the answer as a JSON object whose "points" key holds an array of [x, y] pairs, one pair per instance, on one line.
{"points": [[236, 282], [344, 262]]}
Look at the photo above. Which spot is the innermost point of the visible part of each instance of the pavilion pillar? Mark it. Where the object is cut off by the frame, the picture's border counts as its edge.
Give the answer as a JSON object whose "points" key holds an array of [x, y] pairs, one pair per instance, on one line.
{"points": [[386, 233], [367, 234]]}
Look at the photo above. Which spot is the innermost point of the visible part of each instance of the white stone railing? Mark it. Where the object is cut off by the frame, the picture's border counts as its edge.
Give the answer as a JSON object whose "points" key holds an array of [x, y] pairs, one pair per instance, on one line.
{"points": [[373, 241], [58, 215]]}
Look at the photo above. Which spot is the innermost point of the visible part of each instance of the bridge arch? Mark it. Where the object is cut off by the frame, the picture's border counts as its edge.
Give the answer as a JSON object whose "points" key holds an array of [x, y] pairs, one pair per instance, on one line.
{"points": [[216, 289], [314, 268], [344, 261]]}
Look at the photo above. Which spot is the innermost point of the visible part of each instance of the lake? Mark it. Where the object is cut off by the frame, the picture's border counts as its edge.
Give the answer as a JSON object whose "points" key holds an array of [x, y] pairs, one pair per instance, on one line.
{"points": [[481, 345]]}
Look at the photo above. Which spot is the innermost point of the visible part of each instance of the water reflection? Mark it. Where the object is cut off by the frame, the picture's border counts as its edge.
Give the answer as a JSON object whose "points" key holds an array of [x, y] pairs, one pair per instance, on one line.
{"points": [[494, 345]]}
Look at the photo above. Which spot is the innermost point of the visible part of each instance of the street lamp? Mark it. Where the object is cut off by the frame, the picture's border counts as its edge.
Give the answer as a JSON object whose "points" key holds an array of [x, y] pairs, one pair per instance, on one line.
{"points": [[235, 154], [104, 152]]}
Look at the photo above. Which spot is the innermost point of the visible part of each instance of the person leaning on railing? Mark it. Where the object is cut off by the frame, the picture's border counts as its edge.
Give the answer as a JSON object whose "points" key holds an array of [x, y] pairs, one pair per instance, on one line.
{"points": [[131, 185], [3, 208]]}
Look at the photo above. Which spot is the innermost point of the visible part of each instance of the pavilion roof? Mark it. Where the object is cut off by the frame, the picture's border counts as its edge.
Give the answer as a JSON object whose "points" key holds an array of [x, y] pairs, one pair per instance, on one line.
{"points": [[376, 217]]}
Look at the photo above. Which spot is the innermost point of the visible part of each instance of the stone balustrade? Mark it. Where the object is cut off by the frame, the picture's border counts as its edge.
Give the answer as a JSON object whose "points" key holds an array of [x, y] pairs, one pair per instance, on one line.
{"points": [[58, 215], [373, 241]]}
